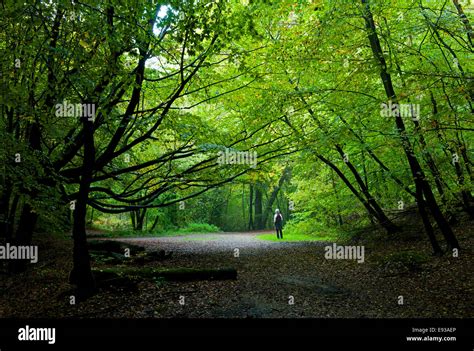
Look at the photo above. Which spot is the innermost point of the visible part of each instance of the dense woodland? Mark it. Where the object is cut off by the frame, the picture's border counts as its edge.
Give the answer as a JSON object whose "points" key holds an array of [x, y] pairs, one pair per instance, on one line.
{"points": [[356, 111]]}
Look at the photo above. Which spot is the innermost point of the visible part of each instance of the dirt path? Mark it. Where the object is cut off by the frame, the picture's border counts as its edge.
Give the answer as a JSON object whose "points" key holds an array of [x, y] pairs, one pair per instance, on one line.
{"points": [[269, 276], [204, 244], [292, 279]]}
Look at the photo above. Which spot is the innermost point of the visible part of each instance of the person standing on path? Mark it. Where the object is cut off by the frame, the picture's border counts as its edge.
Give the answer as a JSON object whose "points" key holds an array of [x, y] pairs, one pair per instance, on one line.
{"points": [[278, 221]]}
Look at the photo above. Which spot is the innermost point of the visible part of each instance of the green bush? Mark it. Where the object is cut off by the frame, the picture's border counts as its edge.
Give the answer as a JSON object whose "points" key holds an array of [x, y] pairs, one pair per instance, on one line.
{"points": [[111, 222], [199, 228], [309, 228]]}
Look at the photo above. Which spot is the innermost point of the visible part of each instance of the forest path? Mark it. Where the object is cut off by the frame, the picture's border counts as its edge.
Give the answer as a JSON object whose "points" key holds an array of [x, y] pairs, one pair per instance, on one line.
{"points": [[271, 274], [245, 242], [294, 279]]}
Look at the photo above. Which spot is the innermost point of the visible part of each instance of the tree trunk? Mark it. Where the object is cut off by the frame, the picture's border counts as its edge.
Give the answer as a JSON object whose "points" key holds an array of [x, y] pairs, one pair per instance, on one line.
{"points": [[138, 216], [336, 193], [251, 222], [380, 214], [23, 236], [465, 21], [386, 225], [258, 207], [10, 225], [415, 167], [81, 274], [426, 154], [269, 206], [155, 222], [28, 217], [4, 207], [140, 219], [133, 216], [427, 224]]}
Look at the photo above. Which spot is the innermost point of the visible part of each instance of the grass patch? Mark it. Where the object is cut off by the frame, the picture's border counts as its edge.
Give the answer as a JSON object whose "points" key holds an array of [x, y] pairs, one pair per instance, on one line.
{"points": [[294, 232]]}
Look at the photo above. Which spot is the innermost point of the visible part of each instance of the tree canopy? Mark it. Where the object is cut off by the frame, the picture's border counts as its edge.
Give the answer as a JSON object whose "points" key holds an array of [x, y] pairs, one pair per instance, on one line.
{"points": [[351, 109]]}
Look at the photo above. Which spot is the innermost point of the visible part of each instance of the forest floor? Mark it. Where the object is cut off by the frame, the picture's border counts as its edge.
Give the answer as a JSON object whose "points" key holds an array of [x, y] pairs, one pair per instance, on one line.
{"points": [[274, 279]]}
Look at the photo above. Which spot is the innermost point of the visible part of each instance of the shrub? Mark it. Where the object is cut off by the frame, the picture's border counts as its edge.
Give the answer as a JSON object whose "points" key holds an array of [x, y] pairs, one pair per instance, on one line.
{"points": [[200, 228]]}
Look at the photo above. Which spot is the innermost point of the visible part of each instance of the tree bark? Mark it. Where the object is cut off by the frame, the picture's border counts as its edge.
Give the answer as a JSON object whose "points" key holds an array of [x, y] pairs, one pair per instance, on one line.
{"points": [[336, 194], [251, 222], [81, 274]]}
